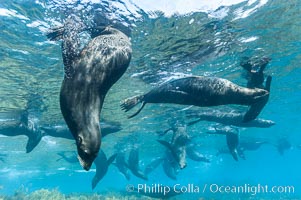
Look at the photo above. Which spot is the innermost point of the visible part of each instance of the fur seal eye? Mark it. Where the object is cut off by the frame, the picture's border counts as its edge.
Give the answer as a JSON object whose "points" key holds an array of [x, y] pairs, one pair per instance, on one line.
{"points": [[79, 140]]}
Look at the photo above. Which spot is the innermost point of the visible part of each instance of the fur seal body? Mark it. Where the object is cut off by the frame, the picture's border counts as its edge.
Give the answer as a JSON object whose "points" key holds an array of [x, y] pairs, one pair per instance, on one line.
{"points": [[89, 74], [204, 92]]}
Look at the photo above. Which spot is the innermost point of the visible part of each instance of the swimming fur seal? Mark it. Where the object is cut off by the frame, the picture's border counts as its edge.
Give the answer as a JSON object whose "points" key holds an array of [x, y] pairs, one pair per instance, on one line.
{"points": [[21, 123], [62, 131], [203, 91], [193, 154], [122, 166], [102, 165], [177, 146], [232, 138], [89, 74], [227, 118], [133, 164]]}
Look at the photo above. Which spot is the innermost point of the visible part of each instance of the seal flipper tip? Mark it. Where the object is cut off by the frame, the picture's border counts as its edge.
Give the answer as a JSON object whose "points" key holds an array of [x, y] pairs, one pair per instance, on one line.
{"points": [[33, 140], [268, 83], [129, 103]]}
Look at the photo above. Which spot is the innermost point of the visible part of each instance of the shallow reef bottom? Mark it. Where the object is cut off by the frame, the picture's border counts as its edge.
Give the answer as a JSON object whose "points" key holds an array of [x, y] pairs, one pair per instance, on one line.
{"points": [[55, 194]]}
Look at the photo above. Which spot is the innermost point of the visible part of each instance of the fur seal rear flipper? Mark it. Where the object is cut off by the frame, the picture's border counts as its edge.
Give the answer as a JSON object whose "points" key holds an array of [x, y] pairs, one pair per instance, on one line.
{"points": [[89, 74], [256, 108], [203, 92]]}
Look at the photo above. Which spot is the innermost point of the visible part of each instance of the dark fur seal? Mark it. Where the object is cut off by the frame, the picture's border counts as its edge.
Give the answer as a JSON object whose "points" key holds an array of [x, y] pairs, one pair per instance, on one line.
{"points": [[21, 123], [102, 164], [133, 164], [177, 146], [203, 91], [122, 165], [232, 138], [89, 74]]}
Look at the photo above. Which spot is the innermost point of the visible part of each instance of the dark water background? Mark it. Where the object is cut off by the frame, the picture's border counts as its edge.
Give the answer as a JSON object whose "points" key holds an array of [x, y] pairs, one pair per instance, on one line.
{"points": [[210, 43]]}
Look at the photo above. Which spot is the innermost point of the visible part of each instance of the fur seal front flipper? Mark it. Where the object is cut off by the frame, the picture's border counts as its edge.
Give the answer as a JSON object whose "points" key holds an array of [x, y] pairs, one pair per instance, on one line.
{"points": [[89, 74]]}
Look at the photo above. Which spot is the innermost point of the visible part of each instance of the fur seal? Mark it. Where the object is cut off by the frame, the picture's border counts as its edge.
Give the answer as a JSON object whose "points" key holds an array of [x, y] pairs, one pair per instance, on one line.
{"points": [[102, 164], [62, 131], [89, 74], [232, 138], [133, 164], [193, 154], [177, 146], [282, 145], [170, 166], [122, 165], [227, 118], [204, 92], [153, 165], [21, 123]]}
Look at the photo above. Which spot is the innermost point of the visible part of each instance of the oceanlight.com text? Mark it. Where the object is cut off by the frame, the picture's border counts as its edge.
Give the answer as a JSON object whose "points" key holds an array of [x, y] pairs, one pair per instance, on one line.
{"points": [[210, 188], [250, 189]]}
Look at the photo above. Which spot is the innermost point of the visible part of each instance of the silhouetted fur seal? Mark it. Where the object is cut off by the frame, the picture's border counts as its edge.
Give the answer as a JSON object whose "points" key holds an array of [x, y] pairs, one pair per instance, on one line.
{"points": [[21, 123], [89, 74], [102, 164], [122, 165], [232, 138], [227, 118], [203, 91], [133, 164]]}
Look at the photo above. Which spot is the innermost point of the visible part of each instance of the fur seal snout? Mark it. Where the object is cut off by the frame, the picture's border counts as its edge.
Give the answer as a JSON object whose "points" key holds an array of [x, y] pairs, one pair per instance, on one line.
{"points": [[89, 74]]}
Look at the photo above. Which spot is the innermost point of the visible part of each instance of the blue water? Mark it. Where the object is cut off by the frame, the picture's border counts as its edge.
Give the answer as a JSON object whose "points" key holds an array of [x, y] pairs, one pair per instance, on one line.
{"points": [[181, 39]]}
